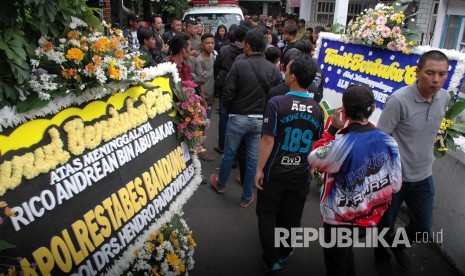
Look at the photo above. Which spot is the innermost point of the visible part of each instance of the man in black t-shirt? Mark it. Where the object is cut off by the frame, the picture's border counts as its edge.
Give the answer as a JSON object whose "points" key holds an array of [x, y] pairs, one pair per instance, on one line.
{"points": [[290, 125]]}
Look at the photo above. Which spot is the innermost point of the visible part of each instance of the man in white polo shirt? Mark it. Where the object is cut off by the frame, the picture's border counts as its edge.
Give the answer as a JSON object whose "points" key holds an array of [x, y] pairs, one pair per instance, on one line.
{"points": [[412, 115]]}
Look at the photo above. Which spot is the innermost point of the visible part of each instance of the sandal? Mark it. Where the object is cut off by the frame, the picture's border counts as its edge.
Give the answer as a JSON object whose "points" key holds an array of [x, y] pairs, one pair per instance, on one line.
{"points": [[218, 150], [205, 157]]}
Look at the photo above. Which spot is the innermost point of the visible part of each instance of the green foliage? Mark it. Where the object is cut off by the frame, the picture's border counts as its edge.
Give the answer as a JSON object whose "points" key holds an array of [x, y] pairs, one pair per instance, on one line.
{"points": [[174, 7], [22, 22]]}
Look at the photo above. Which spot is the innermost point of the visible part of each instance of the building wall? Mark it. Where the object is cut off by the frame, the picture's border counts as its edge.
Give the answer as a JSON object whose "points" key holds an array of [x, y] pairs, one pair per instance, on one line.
{"points": [[424, 14]]}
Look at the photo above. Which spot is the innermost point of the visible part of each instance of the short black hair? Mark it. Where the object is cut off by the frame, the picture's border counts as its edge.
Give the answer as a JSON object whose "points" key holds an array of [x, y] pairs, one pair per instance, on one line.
{"points": [[246, 23], [304, 45], [190, 23], [303, 68], [144, 34], [358, 100], [432, 55], [288, 56], [318, 29], [256, 39], [272, 54], [290, 29], [206, 35], [309, 29], [153, 16], [178, 42], [301, 21], [240, 32]]}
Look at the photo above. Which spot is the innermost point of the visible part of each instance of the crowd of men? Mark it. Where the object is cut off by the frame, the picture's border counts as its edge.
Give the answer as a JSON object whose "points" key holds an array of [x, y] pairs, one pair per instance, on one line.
{"points": [[270, 122]]}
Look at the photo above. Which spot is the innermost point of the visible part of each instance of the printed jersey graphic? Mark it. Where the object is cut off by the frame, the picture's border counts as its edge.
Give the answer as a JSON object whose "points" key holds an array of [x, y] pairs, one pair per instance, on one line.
{"points": [[363, 171], [295, 120]]}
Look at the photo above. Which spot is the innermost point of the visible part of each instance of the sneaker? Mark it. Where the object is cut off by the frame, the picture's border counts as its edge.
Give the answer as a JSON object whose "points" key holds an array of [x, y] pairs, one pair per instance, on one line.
{"points": [[214, 181], [246, 204], [283, 260], [204, 181], [403, 259], [273, 268], [383, 268]]}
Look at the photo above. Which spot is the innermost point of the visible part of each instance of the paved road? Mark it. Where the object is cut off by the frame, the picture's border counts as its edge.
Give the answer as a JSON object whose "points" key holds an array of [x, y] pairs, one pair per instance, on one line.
{"points": [[228, 243]]}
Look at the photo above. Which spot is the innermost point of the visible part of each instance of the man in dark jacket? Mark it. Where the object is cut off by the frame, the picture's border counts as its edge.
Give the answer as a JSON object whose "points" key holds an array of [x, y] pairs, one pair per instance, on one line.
{"points": [[244, 95], [222, 66]]}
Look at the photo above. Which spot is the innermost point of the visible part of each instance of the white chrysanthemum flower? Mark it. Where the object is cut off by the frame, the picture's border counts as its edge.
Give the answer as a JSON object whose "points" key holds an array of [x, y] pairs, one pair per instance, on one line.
{"points": [[75, 43], [76, 22], [35, 62], [39, 52], [43, 40], [50, 86], [44, 96]]}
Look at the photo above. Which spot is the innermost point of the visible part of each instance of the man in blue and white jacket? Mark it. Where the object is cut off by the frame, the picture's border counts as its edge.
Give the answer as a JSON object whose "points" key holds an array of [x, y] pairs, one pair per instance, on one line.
{"points": [[363, 170]]}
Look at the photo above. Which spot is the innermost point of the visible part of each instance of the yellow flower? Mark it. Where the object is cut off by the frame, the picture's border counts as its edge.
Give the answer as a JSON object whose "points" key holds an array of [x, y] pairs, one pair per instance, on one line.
{"points": [[9, 212], [136, 252], [138, 62], [119, 53], [113, 71], [155, 270], [380, 41], [181, 268], [73, 35], [173, 259], [101, 45], [191, 241], [3, 204], [75, 54]]}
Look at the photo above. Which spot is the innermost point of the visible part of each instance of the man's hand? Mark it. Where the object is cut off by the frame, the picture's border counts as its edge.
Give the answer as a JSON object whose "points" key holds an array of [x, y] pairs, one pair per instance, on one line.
{"points": [[165, 49], [259, 180], [337, 120], [195, 53]]}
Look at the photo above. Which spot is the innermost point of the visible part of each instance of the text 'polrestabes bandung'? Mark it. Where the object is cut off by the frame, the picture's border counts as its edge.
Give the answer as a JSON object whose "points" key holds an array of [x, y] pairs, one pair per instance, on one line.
{"points": [[94, 240]]}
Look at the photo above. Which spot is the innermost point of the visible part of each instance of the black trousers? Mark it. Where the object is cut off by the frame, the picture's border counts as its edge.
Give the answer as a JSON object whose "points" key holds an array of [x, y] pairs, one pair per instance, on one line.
{"points": [[278, 206], [339, 261]]}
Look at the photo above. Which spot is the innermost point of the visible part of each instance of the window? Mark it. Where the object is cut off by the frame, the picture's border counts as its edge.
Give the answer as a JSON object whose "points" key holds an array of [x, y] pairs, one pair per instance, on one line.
{"points": [[353, 11], [325, 11], [452, 27]]}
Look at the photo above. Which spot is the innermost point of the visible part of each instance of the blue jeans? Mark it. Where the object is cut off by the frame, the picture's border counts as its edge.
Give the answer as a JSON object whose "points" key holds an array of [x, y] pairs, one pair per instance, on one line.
{"points": [[241, 128], [223, 122], [419, 198]]}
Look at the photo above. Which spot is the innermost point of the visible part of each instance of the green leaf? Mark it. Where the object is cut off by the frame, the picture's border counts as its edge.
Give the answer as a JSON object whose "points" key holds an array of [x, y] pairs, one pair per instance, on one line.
{"points": [[5, 245], [453, 133], [449, 142], [460, 127], [455, 110], [438, 154], [32, 102]]}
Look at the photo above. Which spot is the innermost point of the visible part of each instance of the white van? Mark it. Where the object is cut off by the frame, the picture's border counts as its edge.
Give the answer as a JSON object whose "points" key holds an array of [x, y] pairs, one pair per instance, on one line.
{"points": [[212, 16]]}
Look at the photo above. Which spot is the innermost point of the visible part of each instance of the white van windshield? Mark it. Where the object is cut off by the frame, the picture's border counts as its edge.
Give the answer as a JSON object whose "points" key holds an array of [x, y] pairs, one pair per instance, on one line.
{"points": [[213, 20]]}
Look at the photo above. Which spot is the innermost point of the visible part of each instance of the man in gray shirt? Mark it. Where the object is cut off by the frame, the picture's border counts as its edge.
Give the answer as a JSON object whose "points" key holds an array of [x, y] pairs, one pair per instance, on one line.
{"points": [[412, 115]]}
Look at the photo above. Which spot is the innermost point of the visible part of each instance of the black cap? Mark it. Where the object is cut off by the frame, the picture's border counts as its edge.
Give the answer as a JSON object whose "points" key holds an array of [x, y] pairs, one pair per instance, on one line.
{"points": [[134, 18], [358, 96]]}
